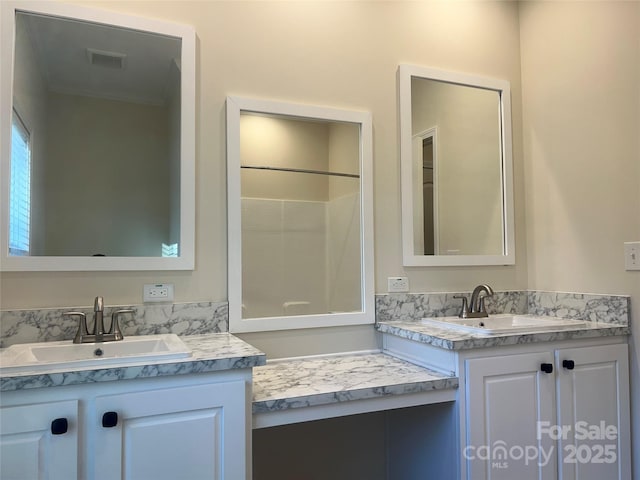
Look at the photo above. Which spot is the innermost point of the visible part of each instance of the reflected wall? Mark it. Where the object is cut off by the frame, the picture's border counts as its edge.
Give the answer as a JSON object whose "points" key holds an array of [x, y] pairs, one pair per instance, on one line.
{"points": [[467, 172], [300, 230]]}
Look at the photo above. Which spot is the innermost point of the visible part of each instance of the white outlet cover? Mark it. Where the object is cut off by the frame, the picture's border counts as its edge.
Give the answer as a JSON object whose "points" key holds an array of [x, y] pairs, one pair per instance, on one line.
{"points": [[158, 292], [398, 284]]}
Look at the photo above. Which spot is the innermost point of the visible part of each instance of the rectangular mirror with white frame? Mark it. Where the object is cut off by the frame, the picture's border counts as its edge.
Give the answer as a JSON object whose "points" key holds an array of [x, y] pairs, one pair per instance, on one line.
{"points": [[300, 219], [97, 136], [456, 168]]}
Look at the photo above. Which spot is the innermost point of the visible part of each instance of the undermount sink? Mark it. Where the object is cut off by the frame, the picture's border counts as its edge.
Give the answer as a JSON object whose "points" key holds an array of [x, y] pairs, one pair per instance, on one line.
{"points": [[50, 355], [504, 324]]}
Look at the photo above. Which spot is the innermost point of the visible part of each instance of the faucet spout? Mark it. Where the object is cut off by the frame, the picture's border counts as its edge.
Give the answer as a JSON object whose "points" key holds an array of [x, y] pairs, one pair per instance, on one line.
{"points": [[477, 300], [98, 318]]}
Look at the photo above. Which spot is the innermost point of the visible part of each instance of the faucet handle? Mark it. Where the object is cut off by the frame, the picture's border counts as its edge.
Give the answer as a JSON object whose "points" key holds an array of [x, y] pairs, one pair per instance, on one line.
{"points": [[115, 324], [82, 325], [465, 306]]}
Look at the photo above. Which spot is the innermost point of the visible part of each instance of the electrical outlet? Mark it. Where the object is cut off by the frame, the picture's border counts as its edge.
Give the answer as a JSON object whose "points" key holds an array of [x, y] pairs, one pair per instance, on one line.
{"points": [[158, 292], [632, 255], [398, 284]]}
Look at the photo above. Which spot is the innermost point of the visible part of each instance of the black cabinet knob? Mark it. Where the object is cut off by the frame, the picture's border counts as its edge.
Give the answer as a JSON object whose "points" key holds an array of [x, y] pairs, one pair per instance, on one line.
{"points": [[568, 364], [59, 426], [109, 419], [546, 367]]}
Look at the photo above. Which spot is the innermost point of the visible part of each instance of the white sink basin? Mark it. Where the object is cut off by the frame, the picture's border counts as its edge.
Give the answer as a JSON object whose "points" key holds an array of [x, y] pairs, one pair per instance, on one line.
{"points": [[504, 324], [50, 355]]}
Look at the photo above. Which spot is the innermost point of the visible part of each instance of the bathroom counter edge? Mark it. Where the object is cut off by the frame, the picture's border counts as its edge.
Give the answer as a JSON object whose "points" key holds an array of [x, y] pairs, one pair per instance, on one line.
{"points": [[210, 353]]}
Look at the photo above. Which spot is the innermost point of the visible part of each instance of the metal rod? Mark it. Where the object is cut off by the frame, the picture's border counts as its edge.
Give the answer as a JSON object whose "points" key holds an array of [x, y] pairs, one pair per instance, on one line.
{"points": [[301, 170]]}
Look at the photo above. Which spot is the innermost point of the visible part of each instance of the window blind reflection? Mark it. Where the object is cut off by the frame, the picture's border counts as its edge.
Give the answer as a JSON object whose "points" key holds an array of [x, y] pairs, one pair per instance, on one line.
{"points": [[20, 189]]}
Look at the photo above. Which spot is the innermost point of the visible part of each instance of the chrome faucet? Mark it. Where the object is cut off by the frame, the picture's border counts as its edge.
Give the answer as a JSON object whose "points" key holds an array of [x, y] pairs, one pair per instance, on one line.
{"points": [[476, 307], [98, 335], [98, 319], [477, 301]]}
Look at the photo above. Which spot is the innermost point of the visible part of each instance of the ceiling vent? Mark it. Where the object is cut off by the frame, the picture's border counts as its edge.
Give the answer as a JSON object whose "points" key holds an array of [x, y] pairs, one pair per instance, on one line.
{"points": [[112, 60]]}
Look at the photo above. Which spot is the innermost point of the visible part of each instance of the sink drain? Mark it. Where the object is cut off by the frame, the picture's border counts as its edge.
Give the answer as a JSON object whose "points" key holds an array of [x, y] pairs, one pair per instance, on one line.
{"points": [[98, 352]]}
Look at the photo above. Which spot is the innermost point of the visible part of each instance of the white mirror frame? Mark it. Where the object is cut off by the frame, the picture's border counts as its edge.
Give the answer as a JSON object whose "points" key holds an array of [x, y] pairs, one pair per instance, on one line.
{"points": [[237, 324], [405, 73], [186, 33]]}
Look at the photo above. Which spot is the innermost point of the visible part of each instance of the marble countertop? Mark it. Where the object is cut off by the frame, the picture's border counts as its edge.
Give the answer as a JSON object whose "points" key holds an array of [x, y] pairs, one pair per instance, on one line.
{"points": [[305, 382], [211, 353], [455, 340]]}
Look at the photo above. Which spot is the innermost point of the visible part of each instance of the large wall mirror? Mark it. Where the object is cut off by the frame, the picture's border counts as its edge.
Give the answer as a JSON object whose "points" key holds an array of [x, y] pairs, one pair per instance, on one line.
{"points": [[299, 216], [98, 140], [456, 169]]}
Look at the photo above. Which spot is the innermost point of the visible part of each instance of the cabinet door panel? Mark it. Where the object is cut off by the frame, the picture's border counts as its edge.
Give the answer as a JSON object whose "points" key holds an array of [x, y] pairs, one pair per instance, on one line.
{"points": [[28, 449], [169, 453], [593, 410], [507, 397], [174, 433]]}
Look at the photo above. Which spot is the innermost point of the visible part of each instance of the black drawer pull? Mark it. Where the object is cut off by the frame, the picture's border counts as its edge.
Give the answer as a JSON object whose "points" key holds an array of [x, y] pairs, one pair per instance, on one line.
{"points": [[109, 419], [546, 367], [568, 364], [59, 426]]}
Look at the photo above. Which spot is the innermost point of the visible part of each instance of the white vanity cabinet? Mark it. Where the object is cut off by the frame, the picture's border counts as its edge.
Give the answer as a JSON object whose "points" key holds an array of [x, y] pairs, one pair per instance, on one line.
{"points": [[189, 432], [185, 426], [592, 387], [555, 410], [39, 440], [506, 398], [556, 414]]}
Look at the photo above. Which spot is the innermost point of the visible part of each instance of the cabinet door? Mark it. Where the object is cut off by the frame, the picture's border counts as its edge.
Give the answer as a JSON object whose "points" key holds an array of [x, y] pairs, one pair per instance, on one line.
{"points": [[34, 443], [506, 399], [196, 432], [593, 410]]}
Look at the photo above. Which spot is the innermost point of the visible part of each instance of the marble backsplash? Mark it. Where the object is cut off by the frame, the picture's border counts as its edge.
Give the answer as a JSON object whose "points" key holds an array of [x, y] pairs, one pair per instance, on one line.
{"points": [[414, 306], [45, 325], [580, 306]]}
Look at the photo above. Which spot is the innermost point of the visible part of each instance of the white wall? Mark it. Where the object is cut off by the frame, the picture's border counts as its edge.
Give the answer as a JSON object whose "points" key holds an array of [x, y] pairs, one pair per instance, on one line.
{"points": [[345, 54], [581, 96]]}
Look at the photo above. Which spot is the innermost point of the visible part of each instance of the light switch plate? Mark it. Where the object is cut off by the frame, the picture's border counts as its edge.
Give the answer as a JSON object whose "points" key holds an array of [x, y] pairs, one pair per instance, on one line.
{"points": [[398, 284], [632, 255]]}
